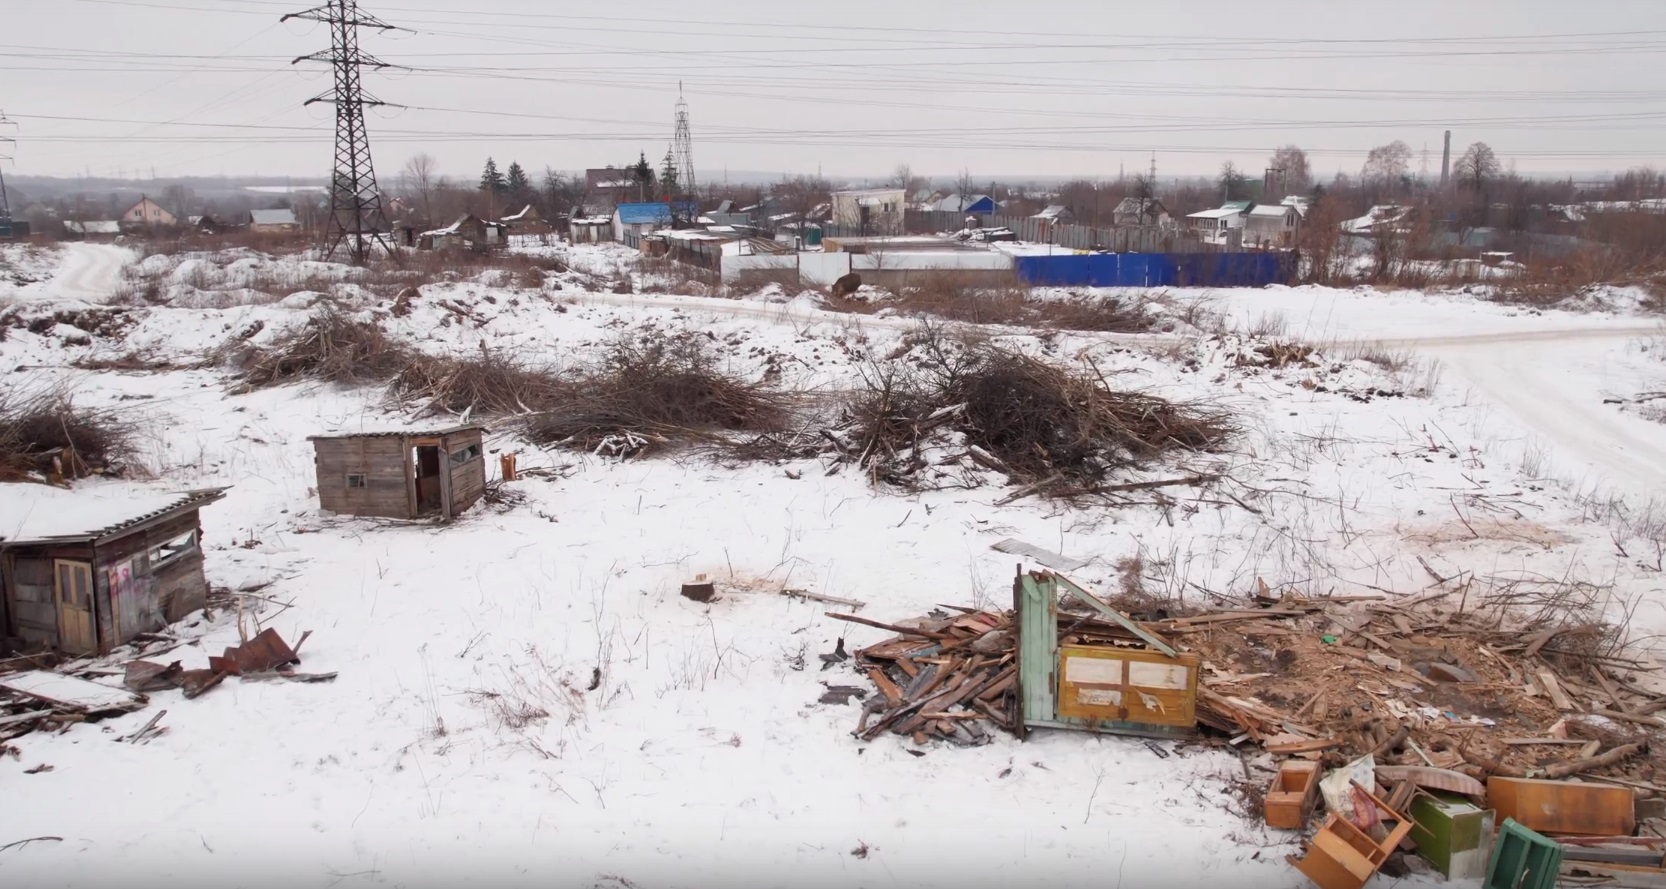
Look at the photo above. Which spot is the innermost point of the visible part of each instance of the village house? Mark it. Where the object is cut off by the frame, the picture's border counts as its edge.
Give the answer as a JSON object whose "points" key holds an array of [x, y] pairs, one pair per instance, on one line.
{"points": [[273, 221], [1222, 225], [977, 204], [869, 210], [1271, 225], [82, 572], [527, 222], [401, 475], [469, 232], [146, 214], [610, 186], [1055, 214], [1140, 211], [632, 221]]}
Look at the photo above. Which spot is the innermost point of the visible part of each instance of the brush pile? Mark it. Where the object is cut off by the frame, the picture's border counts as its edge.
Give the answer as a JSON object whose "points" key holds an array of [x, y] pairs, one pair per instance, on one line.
{"points": [[653, 391], [44, 432], [332, 346], [1060, 431]]}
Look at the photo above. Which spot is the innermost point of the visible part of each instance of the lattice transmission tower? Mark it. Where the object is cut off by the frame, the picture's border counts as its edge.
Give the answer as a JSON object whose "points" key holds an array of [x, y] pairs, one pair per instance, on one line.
{"points": [[682, 145], [356, 215], [5, 203]]}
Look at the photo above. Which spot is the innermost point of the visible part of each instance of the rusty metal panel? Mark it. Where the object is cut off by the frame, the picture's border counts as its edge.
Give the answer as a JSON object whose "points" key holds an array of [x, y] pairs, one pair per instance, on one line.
{"points": [[1107, 684]]}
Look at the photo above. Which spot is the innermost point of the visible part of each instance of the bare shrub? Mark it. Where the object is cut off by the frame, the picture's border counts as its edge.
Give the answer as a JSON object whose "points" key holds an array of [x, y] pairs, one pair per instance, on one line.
{"points": [[658, 389], [332, 346], [44, 431]]}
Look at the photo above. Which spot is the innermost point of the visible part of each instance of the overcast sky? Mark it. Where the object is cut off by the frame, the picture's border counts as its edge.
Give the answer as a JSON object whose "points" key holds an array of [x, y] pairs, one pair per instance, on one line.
{"points": [[1002, 89]]}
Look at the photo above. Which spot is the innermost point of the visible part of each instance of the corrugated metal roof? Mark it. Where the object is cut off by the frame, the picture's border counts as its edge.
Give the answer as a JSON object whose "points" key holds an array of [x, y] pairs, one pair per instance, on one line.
{"points": [[400, 433], [35, 515], [644, 214]]}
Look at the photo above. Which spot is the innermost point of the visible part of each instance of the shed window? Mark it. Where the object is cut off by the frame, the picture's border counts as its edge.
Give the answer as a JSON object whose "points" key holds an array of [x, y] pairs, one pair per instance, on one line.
{"points": [[472, 452], [169, 550], [356, 480]]}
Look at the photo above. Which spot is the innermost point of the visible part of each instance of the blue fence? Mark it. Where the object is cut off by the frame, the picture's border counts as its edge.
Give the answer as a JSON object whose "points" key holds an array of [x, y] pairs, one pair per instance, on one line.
{"points": [[1157, 269]]}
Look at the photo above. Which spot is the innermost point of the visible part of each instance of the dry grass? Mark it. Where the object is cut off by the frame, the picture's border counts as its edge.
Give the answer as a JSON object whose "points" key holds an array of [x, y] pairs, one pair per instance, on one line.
{"points": [[43, 431], [970, 299]]}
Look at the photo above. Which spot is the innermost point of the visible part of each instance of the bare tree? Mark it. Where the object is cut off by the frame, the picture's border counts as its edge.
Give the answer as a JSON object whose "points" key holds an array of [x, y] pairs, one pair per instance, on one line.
{"points": [[1387, 166], [800, 195], [903, 177], [1231, 182], [1144, 189], [1477, 166], [419, 178], [963, 186], [1294, 173]]}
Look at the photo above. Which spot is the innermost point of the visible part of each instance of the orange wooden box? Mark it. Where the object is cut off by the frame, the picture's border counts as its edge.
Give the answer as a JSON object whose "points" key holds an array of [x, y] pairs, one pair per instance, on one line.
{"points": [[1293, 792], [1564, 807], [1341, 856]]}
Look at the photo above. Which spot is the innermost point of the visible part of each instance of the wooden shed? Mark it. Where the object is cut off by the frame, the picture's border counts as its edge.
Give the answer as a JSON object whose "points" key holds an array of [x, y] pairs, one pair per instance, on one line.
{"points": [[84, 573], [401, 475]]}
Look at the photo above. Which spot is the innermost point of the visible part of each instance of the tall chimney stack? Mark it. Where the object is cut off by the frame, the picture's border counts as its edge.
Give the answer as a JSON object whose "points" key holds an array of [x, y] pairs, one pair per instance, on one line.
{"points": [[1446, 162]]}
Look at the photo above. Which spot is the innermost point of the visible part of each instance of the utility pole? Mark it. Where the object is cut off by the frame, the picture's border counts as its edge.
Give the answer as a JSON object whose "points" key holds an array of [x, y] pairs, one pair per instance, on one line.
{"points": [[356, 215]]}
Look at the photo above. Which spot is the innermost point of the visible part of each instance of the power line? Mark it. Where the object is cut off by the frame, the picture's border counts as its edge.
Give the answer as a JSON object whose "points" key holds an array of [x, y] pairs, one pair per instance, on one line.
{"points": [[356, 215]]}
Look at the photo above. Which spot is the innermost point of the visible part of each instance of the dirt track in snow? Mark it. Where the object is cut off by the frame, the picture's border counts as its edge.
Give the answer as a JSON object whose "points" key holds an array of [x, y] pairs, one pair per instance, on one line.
{"points": [[89, 272]]}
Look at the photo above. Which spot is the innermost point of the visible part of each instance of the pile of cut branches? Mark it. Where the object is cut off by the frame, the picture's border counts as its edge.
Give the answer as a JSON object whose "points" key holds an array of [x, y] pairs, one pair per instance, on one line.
{"points": [[332, 346], [654, 390], [43, 431], [1059, 430]]}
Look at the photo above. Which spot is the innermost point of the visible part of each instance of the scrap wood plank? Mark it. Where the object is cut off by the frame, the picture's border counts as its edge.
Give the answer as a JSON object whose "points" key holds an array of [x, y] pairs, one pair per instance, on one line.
{"points": [[1538, 641], [1303, 746], [17, 718], [880, 625], [803, 594], [1226, 616], [886, 686], [1056, 561], [1613, 693], [71, 693], [1547, 681]]}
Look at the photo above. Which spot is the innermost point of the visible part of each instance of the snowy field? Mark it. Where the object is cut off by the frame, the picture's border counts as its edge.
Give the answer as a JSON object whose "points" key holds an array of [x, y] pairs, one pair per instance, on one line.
{"points": [[681, 744]]}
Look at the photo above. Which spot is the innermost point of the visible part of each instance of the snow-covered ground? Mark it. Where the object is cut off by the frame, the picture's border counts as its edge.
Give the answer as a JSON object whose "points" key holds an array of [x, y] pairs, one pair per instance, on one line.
{"points": [[464, 743]]}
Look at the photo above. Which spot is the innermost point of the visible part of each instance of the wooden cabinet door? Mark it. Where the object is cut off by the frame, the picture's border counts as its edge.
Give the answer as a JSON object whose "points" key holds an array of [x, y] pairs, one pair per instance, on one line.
{"points": [[77, 631]]}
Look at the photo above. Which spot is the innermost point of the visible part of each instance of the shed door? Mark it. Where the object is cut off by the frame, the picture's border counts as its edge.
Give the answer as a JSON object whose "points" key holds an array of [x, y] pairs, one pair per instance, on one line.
{"points": [[74, 588]]}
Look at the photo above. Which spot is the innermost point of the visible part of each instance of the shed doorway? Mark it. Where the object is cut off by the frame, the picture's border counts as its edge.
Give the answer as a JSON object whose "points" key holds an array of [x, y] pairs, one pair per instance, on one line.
{"points": [[426, 467], [74, 594]]}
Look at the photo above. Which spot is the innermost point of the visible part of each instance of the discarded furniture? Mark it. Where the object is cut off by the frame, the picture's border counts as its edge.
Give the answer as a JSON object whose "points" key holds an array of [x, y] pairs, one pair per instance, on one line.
{"points": [[1291, 797], [401, 475], [1454, 834], [1522, 859], [1564, 806], [83, 573], [1342, 856], [1125, 681]]}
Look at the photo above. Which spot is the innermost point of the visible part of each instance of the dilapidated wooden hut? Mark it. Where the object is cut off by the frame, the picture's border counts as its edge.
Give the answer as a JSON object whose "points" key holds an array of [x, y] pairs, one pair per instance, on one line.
{"points": [[401, 475], [83, 572]]}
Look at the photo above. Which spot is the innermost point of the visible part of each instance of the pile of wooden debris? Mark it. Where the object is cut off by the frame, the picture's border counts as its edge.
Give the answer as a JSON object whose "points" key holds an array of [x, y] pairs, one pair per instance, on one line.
{"points": [[1431, 681], [941, 678], [36, 696]]}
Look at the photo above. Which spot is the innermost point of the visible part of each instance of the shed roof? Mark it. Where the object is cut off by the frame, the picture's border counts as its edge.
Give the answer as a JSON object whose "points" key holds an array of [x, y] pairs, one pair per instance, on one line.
{"points": [[1217, 213], [279, 216], [1274, 210], [400, 433], [1052, 211], [644, 214], [37, 514]]}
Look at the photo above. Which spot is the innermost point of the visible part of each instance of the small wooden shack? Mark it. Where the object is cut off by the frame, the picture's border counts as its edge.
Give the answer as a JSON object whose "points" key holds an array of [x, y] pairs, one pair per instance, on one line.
{"points": [[401, 475], [83, 573]]}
